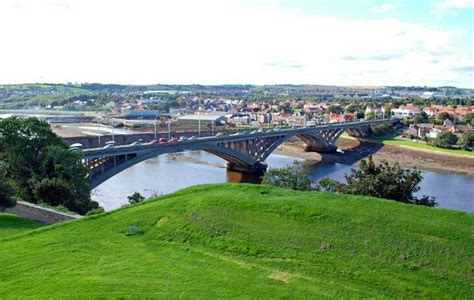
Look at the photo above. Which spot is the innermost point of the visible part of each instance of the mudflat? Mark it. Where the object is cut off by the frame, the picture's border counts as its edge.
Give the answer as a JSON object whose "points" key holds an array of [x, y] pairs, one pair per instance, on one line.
{"points": [[355, 150]]}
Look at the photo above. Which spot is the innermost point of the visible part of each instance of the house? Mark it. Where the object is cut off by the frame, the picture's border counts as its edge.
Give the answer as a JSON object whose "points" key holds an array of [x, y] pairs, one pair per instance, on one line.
{"points": [[374, 109], [333, 118], [406, 111]]}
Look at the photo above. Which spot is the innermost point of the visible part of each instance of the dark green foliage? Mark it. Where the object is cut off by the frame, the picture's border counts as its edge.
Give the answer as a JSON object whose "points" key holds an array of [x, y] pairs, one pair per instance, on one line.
{"points": [[6, 194], [381, 181], [370, 115], [6, 190], [420, 118], [445, 140], [40, 166], [380, 129], [469, 118], [444, 116], [467, 140], [295, 177], [135, 198]]}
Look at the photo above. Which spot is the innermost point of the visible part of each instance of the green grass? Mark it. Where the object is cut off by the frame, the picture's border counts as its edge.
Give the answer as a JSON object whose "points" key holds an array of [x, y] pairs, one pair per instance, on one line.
{"points": [[247, 241], [421, 145], [11, 225]]}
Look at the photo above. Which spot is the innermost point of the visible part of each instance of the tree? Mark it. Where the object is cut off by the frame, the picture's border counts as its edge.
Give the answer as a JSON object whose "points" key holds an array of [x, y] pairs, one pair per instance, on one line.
{"points": [[41, 167], [296, 177], [380, 129], [135, 198], [370, 115], [335, 109], [381, 181], [420, 118], [469, 118], [6, 191], [444, 116], [445, 140], [467, 140]]}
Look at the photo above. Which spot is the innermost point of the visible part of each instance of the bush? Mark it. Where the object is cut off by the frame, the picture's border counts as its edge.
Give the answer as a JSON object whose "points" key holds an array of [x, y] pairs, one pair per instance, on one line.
{"points": [[445, 140], [296, 177], [381, 181], [135, 198]]}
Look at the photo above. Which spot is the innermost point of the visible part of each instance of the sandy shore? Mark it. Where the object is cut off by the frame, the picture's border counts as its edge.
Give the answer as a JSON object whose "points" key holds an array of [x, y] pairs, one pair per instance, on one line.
{"points": [[355, 150]]}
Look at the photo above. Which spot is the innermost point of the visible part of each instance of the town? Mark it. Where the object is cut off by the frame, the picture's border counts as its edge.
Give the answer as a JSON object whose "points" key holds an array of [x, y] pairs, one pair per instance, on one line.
{"points": [[423, 112]]}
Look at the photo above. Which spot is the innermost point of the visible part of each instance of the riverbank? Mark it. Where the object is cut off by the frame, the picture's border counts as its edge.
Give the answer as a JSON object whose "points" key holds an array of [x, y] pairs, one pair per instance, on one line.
{"points": [[355, 150]]}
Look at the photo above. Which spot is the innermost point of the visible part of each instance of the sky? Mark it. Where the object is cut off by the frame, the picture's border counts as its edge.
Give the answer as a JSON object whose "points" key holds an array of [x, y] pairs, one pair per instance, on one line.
{"points": [[330, 42]]}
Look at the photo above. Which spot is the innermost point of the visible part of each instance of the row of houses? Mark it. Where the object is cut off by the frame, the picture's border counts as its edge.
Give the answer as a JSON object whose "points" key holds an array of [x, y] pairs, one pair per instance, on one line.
{"points": [[428, 130]]}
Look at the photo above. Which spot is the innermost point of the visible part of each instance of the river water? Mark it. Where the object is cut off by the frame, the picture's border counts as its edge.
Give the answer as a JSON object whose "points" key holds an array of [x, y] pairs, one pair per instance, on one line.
{"points": [[166, 174]]}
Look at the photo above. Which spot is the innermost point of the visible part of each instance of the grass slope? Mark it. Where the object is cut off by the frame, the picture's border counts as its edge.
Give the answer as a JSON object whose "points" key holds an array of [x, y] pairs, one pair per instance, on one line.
{"points": [[420, 145], [247, 241], [11, 225]]}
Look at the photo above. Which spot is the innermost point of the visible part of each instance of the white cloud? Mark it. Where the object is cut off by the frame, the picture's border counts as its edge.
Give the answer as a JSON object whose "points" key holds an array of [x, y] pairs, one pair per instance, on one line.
{"points": [[383, 8], [214, 42], [447, 4]]}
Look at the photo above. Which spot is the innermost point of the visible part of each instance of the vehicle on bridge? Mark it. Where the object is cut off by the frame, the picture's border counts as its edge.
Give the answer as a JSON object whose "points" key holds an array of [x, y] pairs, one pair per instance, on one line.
{"points": [[245, 152]]}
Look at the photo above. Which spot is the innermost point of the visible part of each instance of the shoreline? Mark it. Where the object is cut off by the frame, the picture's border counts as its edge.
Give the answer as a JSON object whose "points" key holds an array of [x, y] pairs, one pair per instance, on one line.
{"points": [[356, 150]]}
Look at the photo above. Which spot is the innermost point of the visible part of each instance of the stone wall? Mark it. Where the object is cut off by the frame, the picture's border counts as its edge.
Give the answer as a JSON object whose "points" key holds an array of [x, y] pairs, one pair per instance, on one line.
{"points": [[39, 214]]}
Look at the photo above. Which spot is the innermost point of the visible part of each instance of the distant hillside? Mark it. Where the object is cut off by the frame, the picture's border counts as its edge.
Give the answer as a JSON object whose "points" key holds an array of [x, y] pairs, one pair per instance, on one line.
{"points": [[247, 241]]}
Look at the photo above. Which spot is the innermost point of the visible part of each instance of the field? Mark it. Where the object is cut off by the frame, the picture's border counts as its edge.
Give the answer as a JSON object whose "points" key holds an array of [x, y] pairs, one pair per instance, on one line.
{"points": [[421, 145], [247, 241], [11, 225]]}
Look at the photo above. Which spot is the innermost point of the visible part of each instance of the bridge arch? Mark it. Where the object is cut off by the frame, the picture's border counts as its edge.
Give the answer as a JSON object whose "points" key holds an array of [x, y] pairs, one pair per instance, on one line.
{"points": [[239, 161]]}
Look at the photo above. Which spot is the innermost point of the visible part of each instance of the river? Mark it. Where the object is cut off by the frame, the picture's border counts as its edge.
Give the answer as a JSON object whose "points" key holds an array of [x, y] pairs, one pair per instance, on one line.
{"points": [[166, 174]]}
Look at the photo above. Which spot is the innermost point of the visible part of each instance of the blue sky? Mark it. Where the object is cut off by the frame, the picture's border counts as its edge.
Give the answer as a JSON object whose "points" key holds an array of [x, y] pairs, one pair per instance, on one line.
{"points": [[364, 42]]}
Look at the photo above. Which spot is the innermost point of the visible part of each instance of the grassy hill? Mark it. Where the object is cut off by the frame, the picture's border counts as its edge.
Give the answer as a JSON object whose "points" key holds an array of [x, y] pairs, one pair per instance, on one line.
{"points": [[11, 225], [247, 241]]}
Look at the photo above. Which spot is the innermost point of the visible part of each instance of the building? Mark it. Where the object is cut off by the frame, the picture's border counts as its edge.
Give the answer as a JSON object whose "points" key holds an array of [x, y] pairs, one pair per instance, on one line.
{"points": [[142, 114], [374, 109], [406, 111], [204, 119]]}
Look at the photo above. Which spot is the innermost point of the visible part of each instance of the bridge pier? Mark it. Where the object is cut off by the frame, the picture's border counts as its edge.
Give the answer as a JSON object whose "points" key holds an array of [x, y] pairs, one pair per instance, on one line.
{"points": [[313, 148], [257, 169]]}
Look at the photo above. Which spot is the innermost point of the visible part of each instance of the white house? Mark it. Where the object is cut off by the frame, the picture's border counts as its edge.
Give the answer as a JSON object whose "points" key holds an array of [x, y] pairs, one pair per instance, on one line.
{"points": [[406, 111]]}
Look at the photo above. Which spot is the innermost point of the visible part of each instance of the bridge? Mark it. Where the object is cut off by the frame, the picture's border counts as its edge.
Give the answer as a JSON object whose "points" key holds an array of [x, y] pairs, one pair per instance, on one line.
{"points": [[243, 152]]}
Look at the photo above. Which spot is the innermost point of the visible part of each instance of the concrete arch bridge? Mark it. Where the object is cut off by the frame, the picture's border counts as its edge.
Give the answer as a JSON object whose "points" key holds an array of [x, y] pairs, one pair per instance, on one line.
{"points": [[243, 152]]}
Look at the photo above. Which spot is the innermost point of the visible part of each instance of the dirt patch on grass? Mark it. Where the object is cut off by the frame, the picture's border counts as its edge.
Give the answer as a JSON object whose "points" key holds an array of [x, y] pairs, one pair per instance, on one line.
{"points": [[281, 276]]}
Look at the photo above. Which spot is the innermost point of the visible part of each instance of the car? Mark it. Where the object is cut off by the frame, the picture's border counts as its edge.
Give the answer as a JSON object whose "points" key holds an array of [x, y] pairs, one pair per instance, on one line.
{"points": [[108, 146], [110, 143], [76, 145], [182, 138], [253, 132], [137, 143], [192, 138], [74, 149], [173, 140], [162, 140], [260, 130], [153, 142], [219, 134], [236, 133]]}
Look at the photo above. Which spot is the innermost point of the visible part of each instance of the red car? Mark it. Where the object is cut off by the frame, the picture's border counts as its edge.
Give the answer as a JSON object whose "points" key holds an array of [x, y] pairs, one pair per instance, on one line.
{"points": [[162, 140], [173, 140]]}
